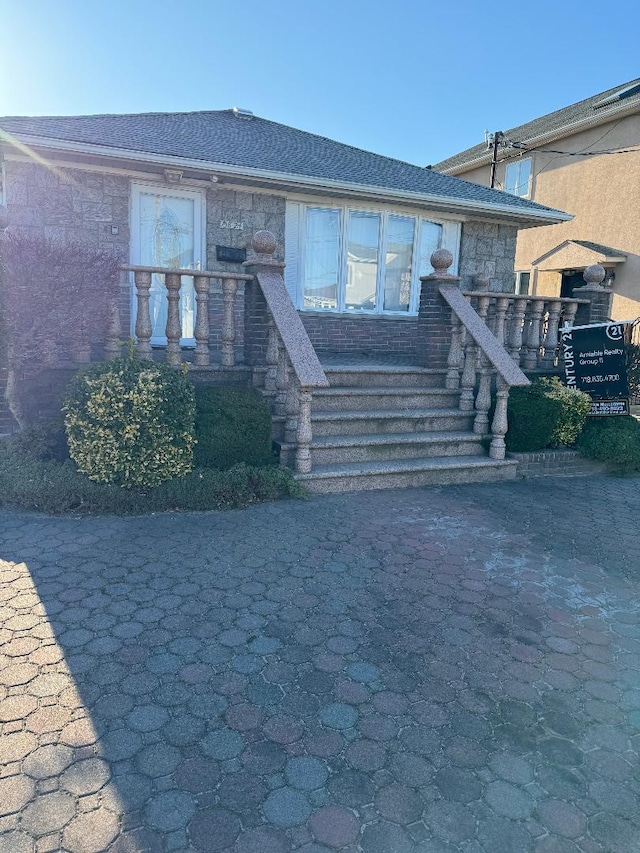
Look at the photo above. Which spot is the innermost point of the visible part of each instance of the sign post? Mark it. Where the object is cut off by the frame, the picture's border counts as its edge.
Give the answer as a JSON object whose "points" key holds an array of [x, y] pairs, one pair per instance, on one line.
{"points": [[595, 362]]}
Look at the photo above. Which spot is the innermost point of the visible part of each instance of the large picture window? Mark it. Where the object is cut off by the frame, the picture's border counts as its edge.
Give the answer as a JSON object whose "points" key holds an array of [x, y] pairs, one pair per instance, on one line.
{"points": [[350, 260]]}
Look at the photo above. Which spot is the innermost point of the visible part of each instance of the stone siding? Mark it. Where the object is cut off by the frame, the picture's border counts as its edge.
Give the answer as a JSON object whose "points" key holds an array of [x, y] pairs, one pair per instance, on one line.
{"points": [[489, 250]]}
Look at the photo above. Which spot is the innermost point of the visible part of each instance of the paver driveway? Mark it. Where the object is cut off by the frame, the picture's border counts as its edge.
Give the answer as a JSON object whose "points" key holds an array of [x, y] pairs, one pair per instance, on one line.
{"points": [[452, 669]]}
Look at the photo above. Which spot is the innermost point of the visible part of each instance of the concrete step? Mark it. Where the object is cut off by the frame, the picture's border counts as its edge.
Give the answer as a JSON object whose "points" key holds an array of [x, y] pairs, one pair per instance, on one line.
{"points": [[331, 450], [386, 421], [439, 471], [353, 399], [364, 376]]}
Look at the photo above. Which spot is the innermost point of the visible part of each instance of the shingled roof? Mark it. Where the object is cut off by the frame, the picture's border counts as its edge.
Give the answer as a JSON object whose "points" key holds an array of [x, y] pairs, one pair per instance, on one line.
{"points": [[229, 142], [591, 112]]}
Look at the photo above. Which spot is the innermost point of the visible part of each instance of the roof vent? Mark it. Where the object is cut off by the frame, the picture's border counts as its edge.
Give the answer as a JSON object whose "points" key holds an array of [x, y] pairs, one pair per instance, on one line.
{"points": [[620, 95], [240, 113]]}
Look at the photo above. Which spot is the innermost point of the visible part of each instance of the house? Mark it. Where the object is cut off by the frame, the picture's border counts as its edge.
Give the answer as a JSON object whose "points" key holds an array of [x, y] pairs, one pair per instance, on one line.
{"points": [[367, 356], [584, 159]]}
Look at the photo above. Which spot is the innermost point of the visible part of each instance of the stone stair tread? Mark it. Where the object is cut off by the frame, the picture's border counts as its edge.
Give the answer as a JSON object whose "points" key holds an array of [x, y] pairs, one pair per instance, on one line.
{"points": [[347, 367], [399, 466], [380, 391], [377, 414], [394, 438]]}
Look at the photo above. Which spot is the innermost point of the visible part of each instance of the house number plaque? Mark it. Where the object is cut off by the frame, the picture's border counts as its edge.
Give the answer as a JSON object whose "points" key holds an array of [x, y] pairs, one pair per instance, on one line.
{"points": [[231, 225]]}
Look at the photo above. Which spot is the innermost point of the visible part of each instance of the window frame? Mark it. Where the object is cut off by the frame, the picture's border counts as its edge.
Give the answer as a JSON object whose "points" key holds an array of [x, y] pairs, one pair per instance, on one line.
{"points": [[296, 255], [519, 164], [518, 282]]}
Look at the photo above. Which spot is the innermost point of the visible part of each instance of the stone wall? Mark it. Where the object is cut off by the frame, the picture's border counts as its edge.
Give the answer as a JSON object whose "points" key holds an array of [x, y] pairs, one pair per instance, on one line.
{"points": [[489, 250]]}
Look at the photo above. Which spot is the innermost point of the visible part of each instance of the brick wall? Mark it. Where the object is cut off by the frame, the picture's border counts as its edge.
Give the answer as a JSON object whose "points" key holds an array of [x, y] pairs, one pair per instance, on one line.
{"points": [[349, 334]]}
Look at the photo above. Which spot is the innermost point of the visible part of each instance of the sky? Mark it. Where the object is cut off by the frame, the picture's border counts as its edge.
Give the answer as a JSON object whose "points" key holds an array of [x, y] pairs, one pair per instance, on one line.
{"points": [[417, 80]]}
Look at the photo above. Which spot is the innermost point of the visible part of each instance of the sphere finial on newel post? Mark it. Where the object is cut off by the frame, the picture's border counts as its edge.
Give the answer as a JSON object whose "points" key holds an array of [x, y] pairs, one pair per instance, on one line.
{"points": [[263, 243], [441, 260]]}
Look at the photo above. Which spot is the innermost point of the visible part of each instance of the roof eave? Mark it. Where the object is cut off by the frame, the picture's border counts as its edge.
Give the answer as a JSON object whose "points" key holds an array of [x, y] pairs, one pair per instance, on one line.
{"points": [[526, 217], [552, 136]]}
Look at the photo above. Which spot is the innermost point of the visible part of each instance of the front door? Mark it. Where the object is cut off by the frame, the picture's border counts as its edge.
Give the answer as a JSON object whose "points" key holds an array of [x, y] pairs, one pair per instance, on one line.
{"points": [[166, 231]]}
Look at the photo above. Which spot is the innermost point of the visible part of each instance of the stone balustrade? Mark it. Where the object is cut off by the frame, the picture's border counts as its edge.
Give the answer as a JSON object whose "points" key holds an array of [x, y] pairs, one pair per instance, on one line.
{"points": [[173, 279], [527, 326]]}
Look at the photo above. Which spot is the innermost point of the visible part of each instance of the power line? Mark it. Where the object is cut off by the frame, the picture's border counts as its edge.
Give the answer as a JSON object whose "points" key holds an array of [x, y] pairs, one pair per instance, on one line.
{"points": [[523, 147]]}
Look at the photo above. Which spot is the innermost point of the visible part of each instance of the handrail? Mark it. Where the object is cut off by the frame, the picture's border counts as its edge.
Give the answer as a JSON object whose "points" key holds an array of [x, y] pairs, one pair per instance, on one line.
{"points": [[482, 335], [498, 294], [306, 364], [238, 276]]}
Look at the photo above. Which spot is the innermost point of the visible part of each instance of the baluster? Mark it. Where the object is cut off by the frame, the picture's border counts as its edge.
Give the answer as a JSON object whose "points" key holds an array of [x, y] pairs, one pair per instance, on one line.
{"points": [[201, 328], [291, 409], [551, 338], [454, 359], [483, 398], [533, 338], [499, 424], [502, 306], [517, 328], [114, 331], [271, 358], [483, 308], [228, 336], [282, 381], [569, 314], [468, 381], [304, 435], [174, 326], [143, 317]]}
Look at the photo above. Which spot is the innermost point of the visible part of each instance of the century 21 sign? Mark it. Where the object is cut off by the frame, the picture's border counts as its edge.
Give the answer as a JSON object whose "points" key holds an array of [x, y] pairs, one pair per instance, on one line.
{"points": [[595, 362]]}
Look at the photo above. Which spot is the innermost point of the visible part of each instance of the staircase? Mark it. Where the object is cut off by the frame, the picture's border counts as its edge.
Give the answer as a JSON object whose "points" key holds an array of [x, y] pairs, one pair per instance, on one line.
{"points": [[383, 425]]}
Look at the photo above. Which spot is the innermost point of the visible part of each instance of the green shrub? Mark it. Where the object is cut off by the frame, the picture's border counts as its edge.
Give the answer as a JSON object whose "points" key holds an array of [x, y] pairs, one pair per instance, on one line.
{"points": [[44, 440], [545, 414], [615, 440], [574, 408], [232, 426], [130, 422], [633, 370], [59, 488]]}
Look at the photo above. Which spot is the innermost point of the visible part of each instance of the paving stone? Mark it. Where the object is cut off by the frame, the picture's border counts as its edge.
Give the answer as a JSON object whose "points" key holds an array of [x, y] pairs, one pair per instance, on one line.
{"points": [[170, 810], [450, 821], [48, 761], [306, 773], [15, 841], [14, 747], [92, 832], [615, 833], [15, 792], [159, 759], [286, 808], [399, 804], [265, 839], [382, 837], [457, 784], [562, 818], [48, 813], [223, 744], [147, 718], [334, 826], [85, 777]]}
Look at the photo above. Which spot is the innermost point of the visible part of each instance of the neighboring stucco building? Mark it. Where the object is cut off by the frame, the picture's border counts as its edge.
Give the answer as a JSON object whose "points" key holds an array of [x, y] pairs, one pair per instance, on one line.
{"points": [[584, 159]]}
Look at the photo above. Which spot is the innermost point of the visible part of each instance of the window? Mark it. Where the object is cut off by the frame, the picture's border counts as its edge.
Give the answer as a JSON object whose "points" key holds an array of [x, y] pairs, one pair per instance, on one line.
{"points": [[517, 177], [522, 282], [349, 260]]}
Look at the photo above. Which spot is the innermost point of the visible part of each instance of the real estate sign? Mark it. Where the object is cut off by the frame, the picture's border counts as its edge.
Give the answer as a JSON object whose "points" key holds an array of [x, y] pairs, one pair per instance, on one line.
{"points": [[595, 362]]}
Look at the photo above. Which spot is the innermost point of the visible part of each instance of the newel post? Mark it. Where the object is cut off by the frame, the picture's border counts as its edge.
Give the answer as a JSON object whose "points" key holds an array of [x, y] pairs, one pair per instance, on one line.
{"points": [[438, 337], [599, 296], [256, 314]]}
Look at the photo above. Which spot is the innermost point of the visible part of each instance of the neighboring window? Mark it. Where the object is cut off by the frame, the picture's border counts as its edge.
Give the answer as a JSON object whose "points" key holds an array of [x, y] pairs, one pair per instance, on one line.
{"points": [[517, 177], [354, 260], [522, 282]]}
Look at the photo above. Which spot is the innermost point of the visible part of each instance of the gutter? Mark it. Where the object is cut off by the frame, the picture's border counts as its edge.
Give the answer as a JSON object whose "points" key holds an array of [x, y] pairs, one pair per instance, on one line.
{"points": [[550, 136], [546, 217]]}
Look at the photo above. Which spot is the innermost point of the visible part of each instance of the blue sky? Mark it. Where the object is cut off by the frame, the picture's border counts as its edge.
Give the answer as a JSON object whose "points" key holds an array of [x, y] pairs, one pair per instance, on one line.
{"points": [[412, 79]]}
